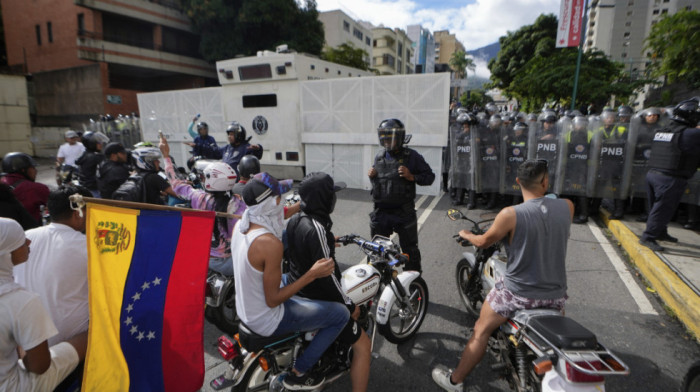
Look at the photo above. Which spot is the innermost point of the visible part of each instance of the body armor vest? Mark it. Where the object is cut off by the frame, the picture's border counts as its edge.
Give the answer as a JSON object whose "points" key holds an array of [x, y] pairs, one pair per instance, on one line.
{"points": [[389, 188], [666, 154]]}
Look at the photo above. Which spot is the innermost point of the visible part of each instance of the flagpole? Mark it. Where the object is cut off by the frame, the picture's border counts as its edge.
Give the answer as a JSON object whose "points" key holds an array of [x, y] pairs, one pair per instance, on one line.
{"points": [[80, 200], [580, 51]]}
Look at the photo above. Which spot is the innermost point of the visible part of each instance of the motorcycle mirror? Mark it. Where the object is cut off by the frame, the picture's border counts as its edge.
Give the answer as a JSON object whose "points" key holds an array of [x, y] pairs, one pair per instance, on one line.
{"points": [[454, 214]]}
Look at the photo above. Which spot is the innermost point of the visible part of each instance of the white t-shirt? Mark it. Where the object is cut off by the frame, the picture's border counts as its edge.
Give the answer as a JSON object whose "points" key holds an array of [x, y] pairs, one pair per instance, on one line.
{"points": [[57, 271], [70, 152], [23, 322]]}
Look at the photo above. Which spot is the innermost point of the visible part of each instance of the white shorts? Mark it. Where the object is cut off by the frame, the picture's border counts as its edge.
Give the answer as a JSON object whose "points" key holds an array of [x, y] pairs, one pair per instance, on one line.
{"points": [[64, 359]]}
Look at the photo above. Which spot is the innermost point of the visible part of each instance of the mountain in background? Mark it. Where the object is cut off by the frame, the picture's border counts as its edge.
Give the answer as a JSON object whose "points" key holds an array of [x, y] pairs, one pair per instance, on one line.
{"points": [[487, 52]]}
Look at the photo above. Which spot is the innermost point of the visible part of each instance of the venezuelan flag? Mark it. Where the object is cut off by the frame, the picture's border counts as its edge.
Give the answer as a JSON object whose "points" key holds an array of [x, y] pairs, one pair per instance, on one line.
{"points": [[147, 273]]}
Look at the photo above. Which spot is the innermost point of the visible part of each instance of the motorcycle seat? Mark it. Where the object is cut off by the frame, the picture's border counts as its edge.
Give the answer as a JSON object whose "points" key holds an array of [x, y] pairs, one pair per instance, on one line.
{"points": [[564, 332], [254, 342]]}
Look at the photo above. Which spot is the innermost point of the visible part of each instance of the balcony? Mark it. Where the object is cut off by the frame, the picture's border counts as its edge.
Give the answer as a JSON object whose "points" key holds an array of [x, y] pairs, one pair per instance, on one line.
{"points": [[161, 12]]}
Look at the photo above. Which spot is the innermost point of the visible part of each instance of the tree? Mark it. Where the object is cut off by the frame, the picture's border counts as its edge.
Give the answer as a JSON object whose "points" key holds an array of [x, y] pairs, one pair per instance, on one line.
{"points": [[674, 49], [346, 54], [459, 62], [242, 27], [475, 97]]}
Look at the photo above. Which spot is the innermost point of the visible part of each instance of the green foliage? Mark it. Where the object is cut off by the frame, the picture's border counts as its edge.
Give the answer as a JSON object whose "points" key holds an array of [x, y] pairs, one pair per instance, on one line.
{"points": [[242, 27], [673, 44], [476, 97], [530, 69], [346, 54], [459, 62]]}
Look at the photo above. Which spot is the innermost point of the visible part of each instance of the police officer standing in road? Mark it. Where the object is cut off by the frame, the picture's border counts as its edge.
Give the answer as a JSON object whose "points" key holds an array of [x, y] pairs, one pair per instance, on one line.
{"points": [[675, 156], [239, 146], [394, 175]]}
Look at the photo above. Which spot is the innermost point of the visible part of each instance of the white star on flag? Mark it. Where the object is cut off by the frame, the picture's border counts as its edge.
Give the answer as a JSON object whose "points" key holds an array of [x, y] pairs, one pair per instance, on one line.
{"points": [[140, 337], [134, 329], [136, 296], [128, 321], [151, 335], [145, 286], [156, 281], [129, 308]]}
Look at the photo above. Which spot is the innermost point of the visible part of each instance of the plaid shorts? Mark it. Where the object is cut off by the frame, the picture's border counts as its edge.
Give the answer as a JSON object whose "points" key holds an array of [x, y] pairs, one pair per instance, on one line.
{"points": [[506, 303]]}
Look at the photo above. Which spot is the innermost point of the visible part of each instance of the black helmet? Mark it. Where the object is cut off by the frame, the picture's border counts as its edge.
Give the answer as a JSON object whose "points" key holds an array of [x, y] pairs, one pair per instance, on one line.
{"points": [[201, 125], [238, 132], [91, 139], [624, 113], [467, 118], [549, 117], [391, 130], [248, 166], [17, 162], [687, 112], [520, 126]]}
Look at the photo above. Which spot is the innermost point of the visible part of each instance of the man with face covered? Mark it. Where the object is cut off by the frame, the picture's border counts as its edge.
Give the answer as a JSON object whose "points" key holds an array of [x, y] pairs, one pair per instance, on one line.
{"points": [[309, 239], [394, 175]]}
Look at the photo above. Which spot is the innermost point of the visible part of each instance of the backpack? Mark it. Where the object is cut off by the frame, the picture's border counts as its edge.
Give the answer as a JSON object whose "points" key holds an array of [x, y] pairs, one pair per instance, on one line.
{"points": [[133, 189]]}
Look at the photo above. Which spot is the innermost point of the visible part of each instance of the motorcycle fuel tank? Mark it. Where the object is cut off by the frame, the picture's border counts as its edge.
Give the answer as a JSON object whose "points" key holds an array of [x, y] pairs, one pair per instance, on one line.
{"points": [[360, 283]]}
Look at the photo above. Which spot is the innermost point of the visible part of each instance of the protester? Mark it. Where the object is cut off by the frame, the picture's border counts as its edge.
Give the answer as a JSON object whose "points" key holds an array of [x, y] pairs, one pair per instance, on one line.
{"points": [[113, 171], [20, 174], [71, 150], [11, 208]]}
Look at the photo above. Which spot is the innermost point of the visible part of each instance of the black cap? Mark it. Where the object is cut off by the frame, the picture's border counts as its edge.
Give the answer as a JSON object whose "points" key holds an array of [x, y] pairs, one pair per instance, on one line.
{"points": [[262, 186], [113, 148]]}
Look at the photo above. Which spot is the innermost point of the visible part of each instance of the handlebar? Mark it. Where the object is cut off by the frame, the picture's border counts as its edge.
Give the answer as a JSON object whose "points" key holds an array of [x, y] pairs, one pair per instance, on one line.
{"points": [[392, 255]]}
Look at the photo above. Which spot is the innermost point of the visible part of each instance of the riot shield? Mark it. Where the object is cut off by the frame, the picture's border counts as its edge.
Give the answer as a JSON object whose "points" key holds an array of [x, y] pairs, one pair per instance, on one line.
{"points": [[547, 146], [613, 151], [462, 155], [489, 144], [692, 192], [642, 152], [575, 165], [514, 151]]}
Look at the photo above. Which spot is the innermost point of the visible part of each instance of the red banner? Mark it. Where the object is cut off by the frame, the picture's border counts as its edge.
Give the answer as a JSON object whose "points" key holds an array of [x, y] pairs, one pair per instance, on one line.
{"points": [[569, 30]]}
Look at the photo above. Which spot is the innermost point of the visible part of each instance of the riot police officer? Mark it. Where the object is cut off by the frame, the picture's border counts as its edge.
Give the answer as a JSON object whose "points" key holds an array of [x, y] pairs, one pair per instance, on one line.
{"points": [[674, 160], [515, 151], [394, 175], [574, 177], [612, 137], [489, 141], [463, 154]]}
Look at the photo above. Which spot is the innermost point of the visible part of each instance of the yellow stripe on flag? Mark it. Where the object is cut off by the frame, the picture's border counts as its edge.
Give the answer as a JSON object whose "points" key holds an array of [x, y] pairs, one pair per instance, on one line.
{"points": [[111, 232]]}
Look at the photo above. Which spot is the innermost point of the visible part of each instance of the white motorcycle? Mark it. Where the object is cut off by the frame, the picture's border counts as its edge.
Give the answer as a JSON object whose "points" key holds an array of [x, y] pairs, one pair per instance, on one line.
{"points": [[392, 303], [537, 349]]}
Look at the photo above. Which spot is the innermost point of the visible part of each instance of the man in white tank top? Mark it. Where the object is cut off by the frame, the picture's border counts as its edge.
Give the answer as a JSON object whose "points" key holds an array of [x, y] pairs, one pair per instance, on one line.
{"points": [[504, 299], [264, 306]]}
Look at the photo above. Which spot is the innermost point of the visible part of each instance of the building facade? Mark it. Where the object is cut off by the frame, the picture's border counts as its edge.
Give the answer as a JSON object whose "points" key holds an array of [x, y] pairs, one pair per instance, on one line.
{"points": [[91, 57], [445, 45], [340, 28], [392, 51], [423, 48]]}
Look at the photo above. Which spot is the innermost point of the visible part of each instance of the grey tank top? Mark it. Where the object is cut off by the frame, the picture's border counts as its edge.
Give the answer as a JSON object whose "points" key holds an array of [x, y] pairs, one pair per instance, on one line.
{"points": [[536, 257]]}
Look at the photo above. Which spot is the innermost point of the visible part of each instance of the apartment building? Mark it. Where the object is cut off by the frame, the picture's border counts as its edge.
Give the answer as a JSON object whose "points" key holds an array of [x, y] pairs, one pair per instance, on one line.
{"points": [[392, 51], [423, 48], [340, 28], [445, 45], [91, 57]]}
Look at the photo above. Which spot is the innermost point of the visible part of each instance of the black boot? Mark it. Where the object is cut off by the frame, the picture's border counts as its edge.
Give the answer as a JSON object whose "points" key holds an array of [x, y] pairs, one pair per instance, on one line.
{"points": [[471, 204], [444, 182], [583, 210], [618, 209], [491, 201]]}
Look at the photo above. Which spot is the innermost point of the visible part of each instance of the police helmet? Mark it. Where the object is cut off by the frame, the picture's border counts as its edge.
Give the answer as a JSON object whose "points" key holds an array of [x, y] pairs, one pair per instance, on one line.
{"points": [[392, 134], [532, 117], [248, 166], [624, 112], [202, 125], [466, 118], [520, 126], [491, 108], [144, 157], [495, 121], [580, 122], [91, 139], [607, 114], [687, 112], [238, 132], [17, 162], [549, 117]]}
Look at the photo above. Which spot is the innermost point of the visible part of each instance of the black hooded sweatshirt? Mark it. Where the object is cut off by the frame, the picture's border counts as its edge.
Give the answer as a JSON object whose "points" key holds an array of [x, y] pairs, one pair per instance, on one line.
{"points": [[310, 239]]}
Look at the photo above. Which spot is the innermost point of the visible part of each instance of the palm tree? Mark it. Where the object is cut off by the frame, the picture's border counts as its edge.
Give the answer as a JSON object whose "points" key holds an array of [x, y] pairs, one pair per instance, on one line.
{"points": [[460, 63]]}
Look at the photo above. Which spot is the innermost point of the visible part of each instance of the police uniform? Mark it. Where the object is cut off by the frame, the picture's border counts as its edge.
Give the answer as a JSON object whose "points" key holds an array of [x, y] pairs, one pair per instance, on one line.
{"points": [[610, 173], [675, 156], [394, 199]]}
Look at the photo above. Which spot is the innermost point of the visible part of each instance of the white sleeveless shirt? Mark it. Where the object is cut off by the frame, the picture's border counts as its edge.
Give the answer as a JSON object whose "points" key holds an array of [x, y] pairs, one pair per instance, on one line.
{"points": [[250, 295]]}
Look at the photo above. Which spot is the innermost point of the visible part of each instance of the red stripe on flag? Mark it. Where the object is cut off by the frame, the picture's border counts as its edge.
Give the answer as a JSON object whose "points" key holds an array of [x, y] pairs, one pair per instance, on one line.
{"points": [[183, 315]]}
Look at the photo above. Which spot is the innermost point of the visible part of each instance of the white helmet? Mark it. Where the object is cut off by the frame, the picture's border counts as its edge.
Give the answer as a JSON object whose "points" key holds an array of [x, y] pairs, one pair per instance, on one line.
{"points": [[144, 157], [219, 177]]}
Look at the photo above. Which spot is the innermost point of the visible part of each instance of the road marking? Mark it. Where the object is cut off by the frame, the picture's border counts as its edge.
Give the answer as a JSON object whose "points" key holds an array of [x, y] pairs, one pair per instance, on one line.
{"points": [[632, 286]]}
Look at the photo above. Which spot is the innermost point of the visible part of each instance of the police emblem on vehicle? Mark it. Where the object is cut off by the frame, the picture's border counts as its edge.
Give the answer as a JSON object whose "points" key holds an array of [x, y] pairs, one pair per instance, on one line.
{"points": [[260, 125]]}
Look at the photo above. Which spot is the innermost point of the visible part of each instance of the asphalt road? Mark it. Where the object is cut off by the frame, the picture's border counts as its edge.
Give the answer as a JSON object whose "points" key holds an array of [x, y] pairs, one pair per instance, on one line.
{"points": [[626, 317]]}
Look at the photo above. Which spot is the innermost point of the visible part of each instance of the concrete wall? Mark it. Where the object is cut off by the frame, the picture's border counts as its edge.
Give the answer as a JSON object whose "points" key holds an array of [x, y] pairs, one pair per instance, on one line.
{"points": [[46, 140], [69, 92], [14, 115]]}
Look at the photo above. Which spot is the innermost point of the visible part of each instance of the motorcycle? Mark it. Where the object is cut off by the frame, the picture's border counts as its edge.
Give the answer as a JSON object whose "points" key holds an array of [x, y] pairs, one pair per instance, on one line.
{"points": [[536, 349], [391, 303], [221, 293]]}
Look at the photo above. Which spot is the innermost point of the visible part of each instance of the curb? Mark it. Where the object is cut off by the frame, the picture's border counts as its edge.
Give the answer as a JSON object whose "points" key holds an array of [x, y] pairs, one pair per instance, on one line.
{"points": [[672, 290]]}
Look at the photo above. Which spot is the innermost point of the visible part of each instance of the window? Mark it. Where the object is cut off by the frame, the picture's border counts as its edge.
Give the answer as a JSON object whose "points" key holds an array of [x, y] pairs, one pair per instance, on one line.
{"points": [[624, 55], [655, 12], [346, 26], [627, 34], [49, 32], [81, 24], [258, 71], [400, 51], [664, 12], [628, 24], [398, 66], [357, 33], [38, 34], [260, 101], [368, 41], [666, 1], [629, 13], [388, 59], [313, 67]]}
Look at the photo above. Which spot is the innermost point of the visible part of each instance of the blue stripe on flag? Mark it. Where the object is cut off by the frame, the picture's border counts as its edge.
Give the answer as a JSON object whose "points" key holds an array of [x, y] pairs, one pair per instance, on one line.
{"points": [[141, 331]]}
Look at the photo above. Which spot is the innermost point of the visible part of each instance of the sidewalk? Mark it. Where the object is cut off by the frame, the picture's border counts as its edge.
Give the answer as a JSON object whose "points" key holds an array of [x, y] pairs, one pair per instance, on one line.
{"points": [[673, 273]]}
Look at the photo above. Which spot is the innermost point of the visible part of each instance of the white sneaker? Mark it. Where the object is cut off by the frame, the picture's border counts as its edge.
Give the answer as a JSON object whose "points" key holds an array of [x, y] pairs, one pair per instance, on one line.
{"points": [[442, 375]]}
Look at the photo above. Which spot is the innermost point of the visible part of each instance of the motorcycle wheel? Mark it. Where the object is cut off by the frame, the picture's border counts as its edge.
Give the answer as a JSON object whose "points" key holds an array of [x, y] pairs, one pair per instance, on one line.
{"points": [[224, 316], [257, 379], [471, 298], [691, 381], [407, 324]]}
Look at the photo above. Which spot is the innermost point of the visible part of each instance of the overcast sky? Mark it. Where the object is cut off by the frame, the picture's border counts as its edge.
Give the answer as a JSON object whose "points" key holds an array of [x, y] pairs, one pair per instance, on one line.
{"points": [[475, 22]]}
